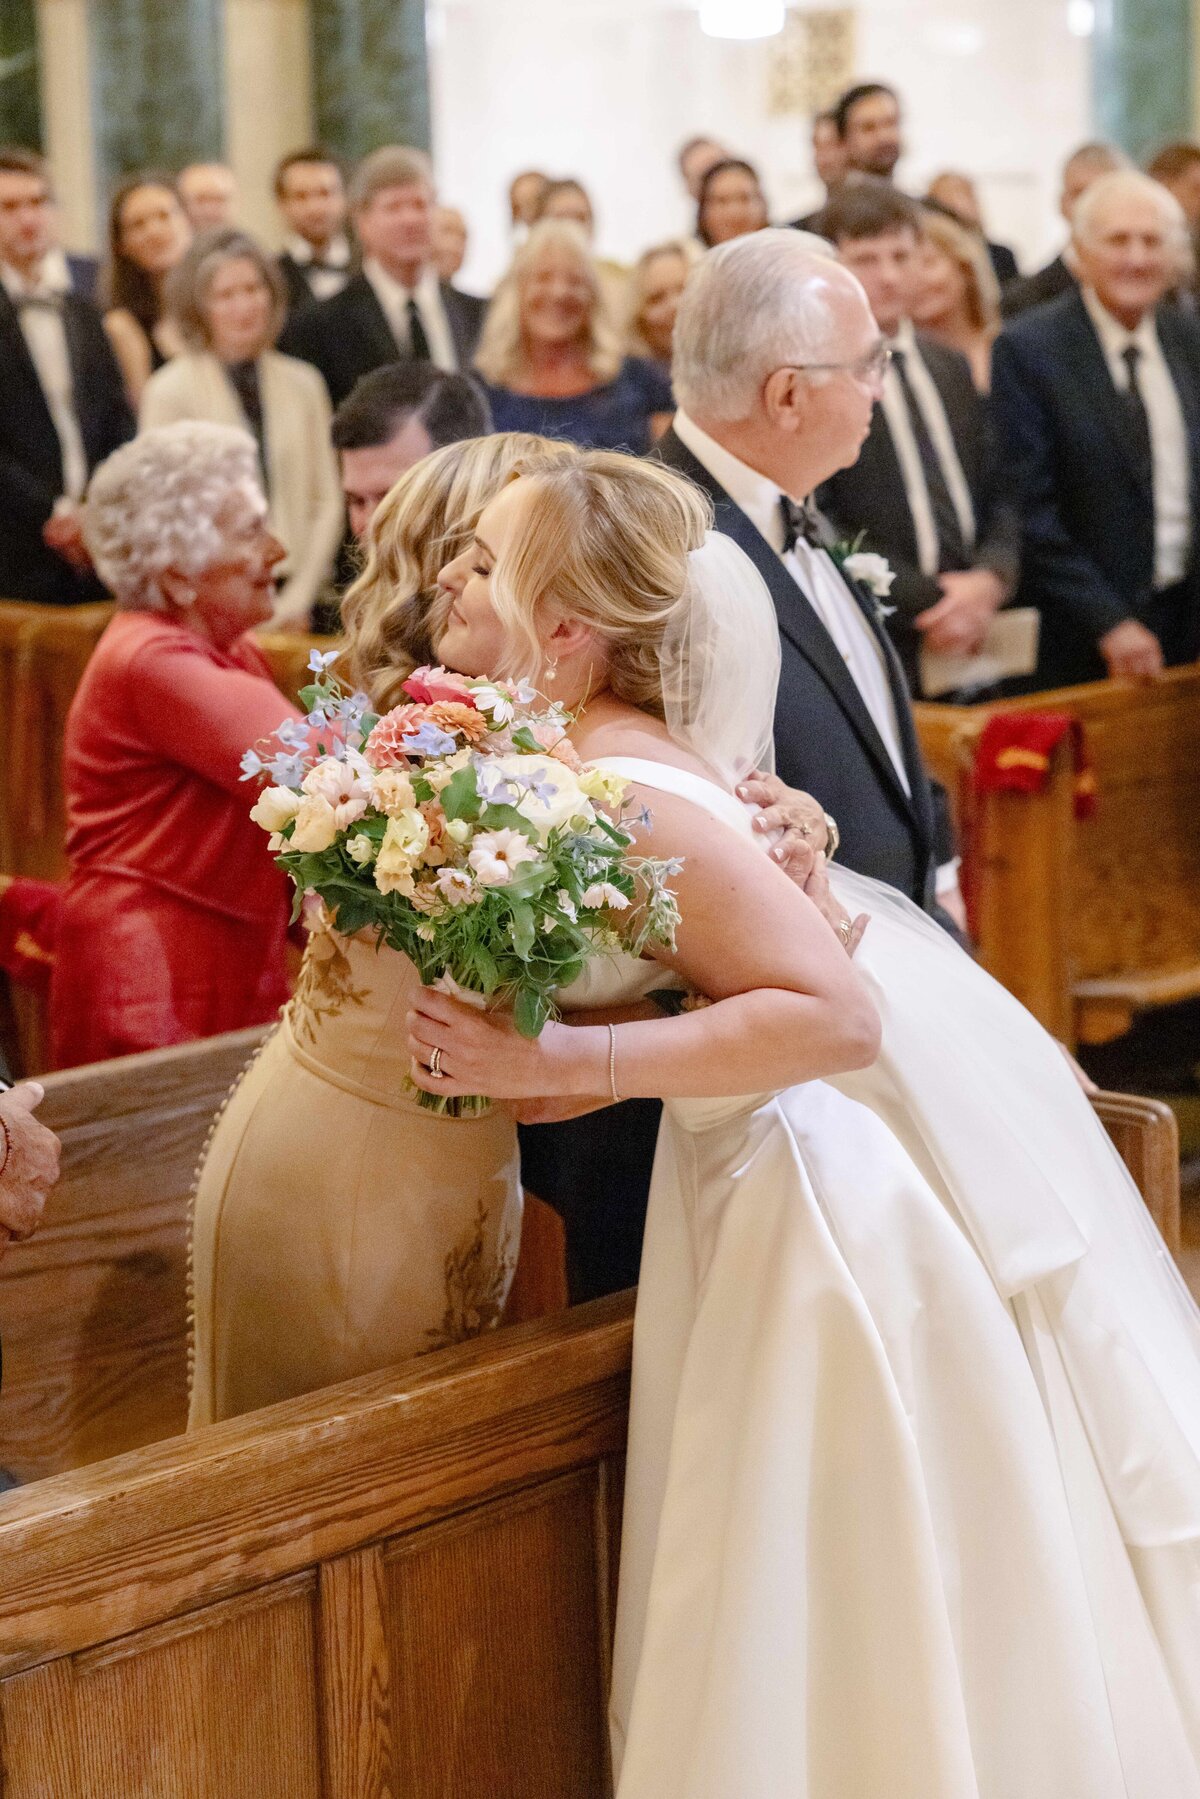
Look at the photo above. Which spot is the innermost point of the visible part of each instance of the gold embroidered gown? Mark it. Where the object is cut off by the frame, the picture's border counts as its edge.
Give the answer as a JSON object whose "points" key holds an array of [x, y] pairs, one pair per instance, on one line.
{"points": [[337, 1227]]}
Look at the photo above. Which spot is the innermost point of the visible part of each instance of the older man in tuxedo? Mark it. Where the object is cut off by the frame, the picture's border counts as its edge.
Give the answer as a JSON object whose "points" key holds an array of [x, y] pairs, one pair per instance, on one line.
{"points": [[1059, 276], [1098, 404], [778, 364], [396, 308], [926, 491], [63, 407]]}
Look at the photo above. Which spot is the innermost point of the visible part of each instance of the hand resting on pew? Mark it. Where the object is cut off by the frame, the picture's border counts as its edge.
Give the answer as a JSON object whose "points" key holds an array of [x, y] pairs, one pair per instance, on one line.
{"points": [[29, 1156]]}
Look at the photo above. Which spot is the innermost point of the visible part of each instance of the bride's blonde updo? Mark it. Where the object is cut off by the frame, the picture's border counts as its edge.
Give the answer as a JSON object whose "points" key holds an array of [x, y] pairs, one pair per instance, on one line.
{"points": [[393, 614], [605, 538]]}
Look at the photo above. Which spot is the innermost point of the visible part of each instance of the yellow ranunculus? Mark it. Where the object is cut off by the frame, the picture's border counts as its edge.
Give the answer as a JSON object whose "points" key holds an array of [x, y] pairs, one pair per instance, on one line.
{"points": [[392, 791], [602, 786], [316, 825], [275, 807]]}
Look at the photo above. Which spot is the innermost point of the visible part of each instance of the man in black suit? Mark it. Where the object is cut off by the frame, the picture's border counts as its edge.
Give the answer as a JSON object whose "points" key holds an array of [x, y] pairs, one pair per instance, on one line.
{"points": [[829, 163], [926, 491], [397, 307], [316, 261], [1081, 168], [778, 363], [1098, 404], [64, 406]]}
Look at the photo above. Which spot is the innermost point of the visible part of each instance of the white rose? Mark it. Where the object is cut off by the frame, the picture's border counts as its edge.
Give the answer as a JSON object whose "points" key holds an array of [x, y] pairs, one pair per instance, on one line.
{"points": [[361, 849], [558, 797], [275, 807], [316, 825], [873, 571]]}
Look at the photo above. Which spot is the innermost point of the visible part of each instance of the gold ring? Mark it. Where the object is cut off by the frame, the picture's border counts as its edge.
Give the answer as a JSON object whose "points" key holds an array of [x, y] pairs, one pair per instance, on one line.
{"points": [[843, 931], [805, 830], [435, 1066]]}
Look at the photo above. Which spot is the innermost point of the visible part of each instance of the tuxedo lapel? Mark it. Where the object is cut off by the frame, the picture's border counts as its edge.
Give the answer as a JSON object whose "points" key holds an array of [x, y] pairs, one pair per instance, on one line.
{"points": [[799, 623], [373, 321], [30, 403], [1095, 382]]}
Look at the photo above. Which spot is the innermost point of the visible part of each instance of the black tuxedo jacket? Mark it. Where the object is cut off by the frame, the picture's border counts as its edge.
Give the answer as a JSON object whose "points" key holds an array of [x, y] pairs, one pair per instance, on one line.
{"points": [[31, 471], [870, 498], [1029, 291], [825, 740], [1087, 507], [349, 335]]}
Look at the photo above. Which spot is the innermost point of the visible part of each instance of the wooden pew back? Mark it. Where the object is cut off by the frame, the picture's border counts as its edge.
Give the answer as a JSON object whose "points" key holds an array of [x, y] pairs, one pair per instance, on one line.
{"points": [[93, 1308], [1120, 892], [400, 1587]]}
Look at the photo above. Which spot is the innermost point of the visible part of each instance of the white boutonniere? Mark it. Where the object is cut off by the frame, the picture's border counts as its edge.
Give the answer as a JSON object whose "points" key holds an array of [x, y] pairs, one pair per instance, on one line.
{"points": [[873, 572]]}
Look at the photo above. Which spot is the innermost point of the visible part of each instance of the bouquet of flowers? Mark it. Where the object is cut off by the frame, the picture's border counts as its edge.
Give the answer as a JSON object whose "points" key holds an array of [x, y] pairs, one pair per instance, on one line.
{"points": [[463, 829]]}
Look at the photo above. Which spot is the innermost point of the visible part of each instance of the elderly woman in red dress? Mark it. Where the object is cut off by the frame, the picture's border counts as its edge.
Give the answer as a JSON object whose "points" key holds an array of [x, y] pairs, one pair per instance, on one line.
{"points": [[174, 922]]}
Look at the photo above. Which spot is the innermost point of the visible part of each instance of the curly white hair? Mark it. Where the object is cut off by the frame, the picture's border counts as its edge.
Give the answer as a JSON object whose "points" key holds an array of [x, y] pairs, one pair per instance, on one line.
{"points": [[169, 500]]}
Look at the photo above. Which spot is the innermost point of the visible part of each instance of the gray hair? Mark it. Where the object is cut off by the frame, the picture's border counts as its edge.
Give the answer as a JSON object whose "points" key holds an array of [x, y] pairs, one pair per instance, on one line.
{"points": [[751, 306], [1127, 184], [167, 501], [189, 282], [395, 165]]}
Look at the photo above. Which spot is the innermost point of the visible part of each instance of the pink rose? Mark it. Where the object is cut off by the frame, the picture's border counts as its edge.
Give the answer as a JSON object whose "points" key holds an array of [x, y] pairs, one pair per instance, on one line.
{"points": [[429, 684]]}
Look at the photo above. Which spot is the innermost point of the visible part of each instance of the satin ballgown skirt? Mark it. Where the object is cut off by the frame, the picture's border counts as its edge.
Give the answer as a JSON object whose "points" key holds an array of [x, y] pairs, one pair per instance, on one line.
{"points": [[913, 1498]]}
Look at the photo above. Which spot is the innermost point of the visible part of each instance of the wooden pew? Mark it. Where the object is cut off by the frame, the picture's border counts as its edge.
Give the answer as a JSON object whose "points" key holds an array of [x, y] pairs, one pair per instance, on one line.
{"points": [[93, 1309], [1089, 922], [400, 1588]]}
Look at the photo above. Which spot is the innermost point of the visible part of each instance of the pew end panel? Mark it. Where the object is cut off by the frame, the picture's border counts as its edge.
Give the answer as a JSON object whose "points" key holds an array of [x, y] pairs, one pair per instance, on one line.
{"points": [[1116, 897]]}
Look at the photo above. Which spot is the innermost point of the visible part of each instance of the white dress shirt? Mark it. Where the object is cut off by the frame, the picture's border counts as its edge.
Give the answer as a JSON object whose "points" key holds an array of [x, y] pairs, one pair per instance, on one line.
{"points": [[45, 333], [327, 281], [394, 298], [899, 423], [817, 581], [1171, 476]]}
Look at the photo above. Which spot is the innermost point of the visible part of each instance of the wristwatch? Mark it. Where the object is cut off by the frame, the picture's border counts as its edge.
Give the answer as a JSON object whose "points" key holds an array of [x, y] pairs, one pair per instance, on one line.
{"points": [[833, 839]]}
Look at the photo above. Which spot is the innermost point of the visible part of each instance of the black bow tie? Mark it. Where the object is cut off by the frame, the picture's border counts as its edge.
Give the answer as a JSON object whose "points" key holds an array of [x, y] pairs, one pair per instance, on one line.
{"points": [[800, 523]]}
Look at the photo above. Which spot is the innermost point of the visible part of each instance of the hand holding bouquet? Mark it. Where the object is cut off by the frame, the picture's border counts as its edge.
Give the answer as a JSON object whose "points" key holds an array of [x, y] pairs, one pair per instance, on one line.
{"points": [[464, 830]]}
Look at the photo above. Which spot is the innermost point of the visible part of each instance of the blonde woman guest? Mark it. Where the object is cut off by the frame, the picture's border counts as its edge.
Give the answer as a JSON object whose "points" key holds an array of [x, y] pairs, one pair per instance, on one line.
{"points": [[148, 233], [957, 299], [551, 356], [656, 287], [409, 1230], [228, 301]]}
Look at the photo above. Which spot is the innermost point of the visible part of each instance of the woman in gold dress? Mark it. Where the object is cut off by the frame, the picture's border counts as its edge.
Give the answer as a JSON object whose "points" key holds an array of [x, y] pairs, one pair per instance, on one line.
{"points": [[337, 1227]]}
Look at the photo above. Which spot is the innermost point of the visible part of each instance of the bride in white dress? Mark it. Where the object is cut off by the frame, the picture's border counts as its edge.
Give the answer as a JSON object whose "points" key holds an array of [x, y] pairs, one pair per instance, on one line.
{"points": [[913, 1492]]}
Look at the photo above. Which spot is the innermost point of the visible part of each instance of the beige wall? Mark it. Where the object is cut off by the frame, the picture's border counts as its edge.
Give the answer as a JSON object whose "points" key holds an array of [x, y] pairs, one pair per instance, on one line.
{"points": [[268, 105], [67, 117]]}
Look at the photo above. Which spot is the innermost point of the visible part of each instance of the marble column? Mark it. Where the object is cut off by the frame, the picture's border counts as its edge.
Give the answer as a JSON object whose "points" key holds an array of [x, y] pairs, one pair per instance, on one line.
{"points": [[157, 82], [20, 111], [370, 80], [1142, 72]]}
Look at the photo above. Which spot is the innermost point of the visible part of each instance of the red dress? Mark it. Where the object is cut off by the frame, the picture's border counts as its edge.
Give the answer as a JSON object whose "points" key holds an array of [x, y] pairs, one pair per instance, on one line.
{"points": [[174, 921]]}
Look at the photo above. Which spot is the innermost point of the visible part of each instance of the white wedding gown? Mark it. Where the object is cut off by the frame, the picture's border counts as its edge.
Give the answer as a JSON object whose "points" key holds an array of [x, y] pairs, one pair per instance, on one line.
{"points": [[913, 1493]]}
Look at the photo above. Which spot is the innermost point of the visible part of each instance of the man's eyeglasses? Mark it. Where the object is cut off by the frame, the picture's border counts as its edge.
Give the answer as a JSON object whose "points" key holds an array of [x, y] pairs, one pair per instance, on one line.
{"points": [[872, 366]]}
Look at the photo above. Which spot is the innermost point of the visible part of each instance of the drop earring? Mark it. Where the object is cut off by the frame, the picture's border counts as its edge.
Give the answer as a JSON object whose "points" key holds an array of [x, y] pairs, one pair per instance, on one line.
{"points": [[551, 674]]}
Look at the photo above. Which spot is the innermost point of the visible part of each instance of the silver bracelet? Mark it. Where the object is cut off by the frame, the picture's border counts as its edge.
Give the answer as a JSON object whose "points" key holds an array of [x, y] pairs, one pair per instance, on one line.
{"points": [[612, 1064]]}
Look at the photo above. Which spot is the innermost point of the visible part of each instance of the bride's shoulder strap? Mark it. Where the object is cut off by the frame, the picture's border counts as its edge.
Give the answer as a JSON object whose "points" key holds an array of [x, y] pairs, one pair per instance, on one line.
{"points": [[682, 782]]}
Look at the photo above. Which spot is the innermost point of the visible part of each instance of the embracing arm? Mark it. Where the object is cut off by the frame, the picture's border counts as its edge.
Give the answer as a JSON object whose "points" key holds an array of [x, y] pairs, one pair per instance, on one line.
{"points": [[788, 1005]]}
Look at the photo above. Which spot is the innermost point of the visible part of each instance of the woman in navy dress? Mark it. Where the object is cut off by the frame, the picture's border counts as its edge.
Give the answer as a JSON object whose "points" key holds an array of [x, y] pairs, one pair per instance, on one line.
{"points": [[551, 356]]}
